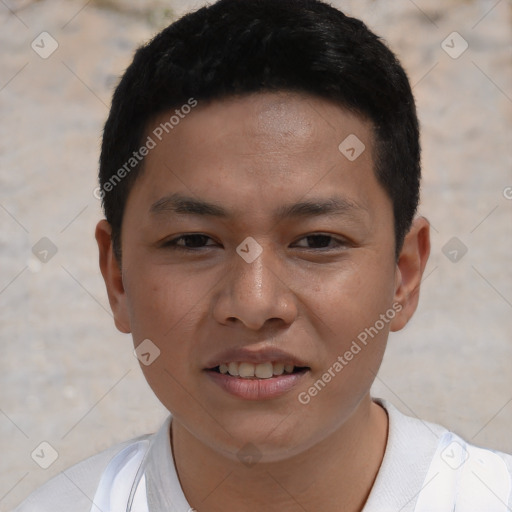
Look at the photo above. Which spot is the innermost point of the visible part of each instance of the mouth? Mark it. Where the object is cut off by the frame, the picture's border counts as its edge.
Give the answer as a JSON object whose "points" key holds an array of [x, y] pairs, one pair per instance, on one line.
{"points": [[257, 381], [264, 370], [257, 372]]}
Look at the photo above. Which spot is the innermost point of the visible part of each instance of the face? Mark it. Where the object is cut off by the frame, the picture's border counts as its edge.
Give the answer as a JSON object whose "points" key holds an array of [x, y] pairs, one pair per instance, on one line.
{"points": [[254, 243]]}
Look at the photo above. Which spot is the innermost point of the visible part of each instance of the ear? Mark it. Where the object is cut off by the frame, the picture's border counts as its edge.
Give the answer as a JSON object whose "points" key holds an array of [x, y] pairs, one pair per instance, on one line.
{"points": [[112, 276], [411, 264]]}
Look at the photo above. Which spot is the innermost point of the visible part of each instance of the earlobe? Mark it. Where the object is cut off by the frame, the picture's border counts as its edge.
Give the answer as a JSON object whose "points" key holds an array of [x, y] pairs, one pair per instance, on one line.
{"points": [[410, 267], [112, 276]]}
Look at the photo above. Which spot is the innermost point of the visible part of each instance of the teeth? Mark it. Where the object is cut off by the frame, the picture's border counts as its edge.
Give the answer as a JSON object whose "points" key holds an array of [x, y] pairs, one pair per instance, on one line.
{"points": [[264, 370], [279, 368], [249, 370], [233, 369], [246, 370]]}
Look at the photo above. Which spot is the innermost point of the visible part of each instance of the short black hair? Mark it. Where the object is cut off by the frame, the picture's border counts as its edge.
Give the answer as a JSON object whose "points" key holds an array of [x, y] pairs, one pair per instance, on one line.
{"points": [[239, 47]]}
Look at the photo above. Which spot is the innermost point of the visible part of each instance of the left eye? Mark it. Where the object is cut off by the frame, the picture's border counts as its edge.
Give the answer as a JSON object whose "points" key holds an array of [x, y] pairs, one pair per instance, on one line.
{"points": [[199, 240], [323, 240]]}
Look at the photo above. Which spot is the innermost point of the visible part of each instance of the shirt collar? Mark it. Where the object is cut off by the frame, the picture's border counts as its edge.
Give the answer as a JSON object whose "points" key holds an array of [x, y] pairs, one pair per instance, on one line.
{"points": [[410, 445], [164, 491]]}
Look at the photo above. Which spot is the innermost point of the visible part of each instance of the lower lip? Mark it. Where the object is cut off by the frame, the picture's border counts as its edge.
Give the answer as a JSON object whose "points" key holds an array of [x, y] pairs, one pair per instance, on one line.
{"points": [[256, 389]]}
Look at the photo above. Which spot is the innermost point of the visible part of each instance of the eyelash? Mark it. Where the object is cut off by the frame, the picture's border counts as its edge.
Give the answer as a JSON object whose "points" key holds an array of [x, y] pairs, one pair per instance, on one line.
{"points": [[172, 244]]}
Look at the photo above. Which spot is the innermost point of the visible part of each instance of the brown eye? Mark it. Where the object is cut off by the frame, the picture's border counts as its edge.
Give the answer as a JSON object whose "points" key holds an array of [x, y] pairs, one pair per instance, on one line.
{"points": [[322, 241], [191, 242]]}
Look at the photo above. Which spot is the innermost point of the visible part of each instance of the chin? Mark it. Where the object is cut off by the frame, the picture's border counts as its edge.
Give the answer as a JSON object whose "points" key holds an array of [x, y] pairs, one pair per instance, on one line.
{"points": [[266, 442]]}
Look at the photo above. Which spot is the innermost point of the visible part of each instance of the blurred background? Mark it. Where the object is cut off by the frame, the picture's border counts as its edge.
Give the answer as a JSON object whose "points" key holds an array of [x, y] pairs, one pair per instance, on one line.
{"points": [[70, 379]]}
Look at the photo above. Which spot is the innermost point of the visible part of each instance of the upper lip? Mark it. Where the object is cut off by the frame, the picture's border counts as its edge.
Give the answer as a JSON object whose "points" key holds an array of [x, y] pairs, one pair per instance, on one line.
{"points": [[255, 356]]}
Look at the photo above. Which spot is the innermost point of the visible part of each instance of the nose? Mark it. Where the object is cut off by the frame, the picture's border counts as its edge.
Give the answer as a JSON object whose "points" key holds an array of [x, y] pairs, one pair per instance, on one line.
{"points": [[255, 293]]}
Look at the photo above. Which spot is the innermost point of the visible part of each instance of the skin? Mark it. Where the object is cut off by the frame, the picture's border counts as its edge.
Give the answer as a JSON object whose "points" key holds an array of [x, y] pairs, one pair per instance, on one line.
{"points": [[251, 155]]}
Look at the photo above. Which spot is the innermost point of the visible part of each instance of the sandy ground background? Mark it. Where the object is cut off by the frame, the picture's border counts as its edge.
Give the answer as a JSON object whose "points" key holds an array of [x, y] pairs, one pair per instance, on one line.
{"points": [[69, 378]]}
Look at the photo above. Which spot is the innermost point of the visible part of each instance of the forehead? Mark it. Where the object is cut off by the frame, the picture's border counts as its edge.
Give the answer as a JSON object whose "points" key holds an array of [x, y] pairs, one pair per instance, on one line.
{"points": [[286, 122], [252, 152]]}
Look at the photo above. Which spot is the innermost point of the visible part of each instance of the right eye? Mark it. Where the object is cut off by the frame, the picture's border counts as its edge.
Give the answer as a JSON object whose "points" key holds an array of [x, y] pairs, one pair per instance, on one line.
{"points": [[196, 239]]}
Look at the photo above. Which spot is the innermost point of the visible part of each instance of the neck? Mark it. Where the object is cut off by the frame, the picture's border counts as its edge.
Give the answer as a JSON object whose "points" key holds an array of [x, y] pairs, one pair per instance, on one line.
{"points": [[335, 474]]}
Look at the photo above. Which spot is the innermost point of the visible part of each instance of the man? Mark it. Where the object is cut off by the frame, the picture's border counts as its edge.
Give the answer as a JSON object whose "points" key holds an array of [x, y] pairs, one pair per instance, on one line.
{"points": [[260, 175]]}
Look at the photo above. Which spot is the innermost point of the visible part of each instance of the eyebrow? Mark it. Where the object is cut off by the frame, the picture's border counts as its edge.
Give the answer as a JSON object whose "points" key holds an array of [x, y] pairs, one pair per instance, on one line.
{"points": [[184, 205]]}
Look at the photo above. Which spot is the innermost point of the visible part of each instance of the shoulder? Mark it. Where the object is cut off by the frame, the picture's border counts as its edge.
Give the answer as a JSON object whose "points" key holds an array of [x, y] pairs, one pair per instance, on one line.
{"points": [[74, 488], [432, 468], [475, 478]]}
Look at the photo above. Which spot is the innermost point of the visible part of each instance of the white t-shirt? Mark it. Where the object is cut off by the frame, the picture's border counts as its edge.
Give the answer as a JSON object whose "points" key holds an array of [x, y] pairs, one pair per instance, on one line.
{"points": [[425, 469]]}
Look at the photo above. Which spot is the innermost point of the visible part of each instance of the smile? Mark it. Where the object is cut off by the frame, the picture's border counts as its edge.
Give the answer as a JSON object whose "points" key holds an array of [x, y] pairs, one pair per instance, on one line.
{"points": [[264, 370], [261, 381]]}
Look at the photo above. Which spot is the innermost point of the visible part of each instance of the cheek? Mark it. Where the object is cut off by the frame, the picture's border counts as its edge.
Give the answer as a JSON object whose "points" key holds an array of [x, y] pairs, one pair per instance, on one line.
{"points": [[165, 308], [352, 299], [353, 313], [160, 302]]}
